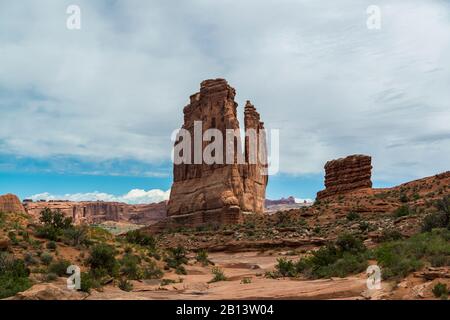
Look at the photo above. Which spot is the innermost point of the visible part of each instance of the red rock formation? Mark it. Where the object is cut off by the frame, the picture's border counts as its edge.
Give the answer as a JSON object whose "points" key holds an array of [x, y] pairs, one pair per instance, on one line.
{"points": [[346, 174], [217, 193], [99, 211], [10, 203], [289, 200]]}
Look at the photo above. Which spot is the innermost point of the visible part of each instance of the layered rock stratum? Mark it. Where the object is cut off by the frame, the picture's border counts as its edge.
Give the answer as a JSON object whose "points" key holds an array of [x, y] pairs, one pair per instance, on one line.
{"points": [[99, 211], [218, 193], [347, 174], [10, 203]]}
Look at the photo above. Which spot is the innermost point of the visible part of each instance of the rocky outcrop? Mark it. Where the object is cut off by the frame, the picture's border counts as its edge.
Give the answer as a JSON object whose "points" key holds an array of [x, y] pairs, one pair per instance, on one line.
{"points": [[347, 174], [289, 200], [99, 211], [218, 193], [10, 203]]}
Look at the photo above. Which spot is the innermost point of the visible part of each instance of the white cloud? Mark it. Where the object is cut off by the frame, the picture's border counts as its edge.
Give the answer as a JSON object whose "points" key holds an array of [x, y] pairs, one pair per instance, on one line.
{"points": [[116, 88], [297, 200], [135, 196]]}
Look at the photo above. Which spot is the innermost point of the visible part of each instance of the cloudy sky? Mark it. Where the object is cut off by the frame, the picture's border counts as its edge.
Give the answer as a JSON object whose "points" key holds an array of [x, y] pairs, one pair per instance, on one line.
{"points": [[88, 114]]}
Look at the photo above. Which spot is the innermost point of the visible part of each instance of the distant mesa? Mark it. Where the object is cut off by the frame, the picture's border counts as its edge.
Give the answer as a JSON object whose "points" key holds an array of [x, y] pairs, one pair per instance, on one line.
{"points": [[289, 200], [217, 193], [347, 174]]}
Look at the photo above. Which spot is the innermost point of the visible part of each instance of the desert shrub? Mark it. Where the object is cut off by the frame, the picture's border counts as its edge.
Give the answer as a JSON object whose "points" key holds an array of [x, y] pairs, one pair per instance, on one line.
{"points": [[218, 275], [125, 285], [13, 275], [402, 211], [53, 224], [345, 256], [30, 259], [390, 235], [51, 245], [165, 282], [88, 282], [403, 198], [351, 216], [202, 257], [46, 258], [439, 219], [364, 226], [102, 260], [180, 270], [439, 260], [399, 258], [49, 277], [440, 290], [152, 271], [76, 235], [176, 257], [285, 268], [59, 267], [137, 237], [130, 266], [246, 280]]}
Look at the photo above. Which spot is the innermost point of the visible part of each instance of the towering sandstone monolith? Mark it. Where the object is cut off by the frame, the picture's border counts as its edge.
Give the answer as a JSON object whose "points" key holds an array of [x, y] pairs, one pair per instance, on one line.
{"points": [[347, 174], [218, 193], [10, 203]]}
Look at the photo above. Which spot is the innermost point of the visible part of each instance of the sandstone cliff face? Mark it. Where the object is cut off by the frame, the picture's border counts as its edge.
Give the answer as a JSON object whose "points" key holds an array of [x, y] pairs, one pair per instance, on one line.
{"points": [[347, 174], [289, 200], [98, 211], [217, 193], [10, 203]]}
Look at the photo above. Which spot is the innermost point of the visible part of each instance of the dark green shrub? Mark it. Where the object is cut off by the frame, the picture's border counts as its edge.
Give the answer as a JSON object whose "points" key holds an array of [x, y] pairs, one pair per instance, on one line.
{"points": [[176, 257], [59, 267], [404, 198], [218, 275], [351, 216], [102, 260], [46, 258], [76, 235], [285, 268], [180, 270], [202, 257], [137, 237], [152, 271], [440, 290], [51, 245], [88, 282], [390, 235], [50, 277], [13, 276], [125, 285], [53, 224], [402, 211], [130, 266]]}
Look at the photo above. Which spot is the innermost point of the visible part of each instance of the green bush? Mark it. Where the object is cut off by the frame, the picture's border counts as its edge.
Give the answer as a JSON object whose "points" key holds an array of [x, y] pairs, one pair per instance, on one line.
{"points": [[351, 216], [125, 285], [50, 277], [51, 245], [130, 266], [202, 257], [59, 267], [76, 235], [399, 258], [13, 276], [102, 260], [46, 258], [402, 211], [218, 275], [347, 255], [88, 282], [439, 219], [176, 257], [152, 271], [53, 224], [440, 290], [390, 235], [137, 237], [285, 268]]}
